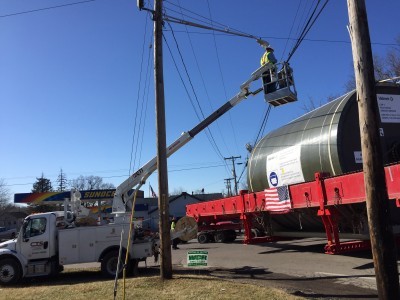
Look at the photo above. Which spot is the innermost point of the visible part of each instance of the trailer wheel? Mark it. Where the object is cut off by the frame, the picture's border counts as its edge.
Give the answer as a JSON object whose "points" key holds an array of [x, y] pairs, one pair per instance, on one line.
{"points": [[202, 238], [109, 264], [230, 236], [220, 237], [254, 233], [10, 271]]}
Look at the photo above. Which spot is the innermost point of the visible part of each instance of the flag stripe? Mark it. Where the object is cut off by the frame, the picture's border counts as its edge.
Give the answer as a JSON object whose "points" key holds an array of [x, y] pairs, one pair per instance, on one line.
{"points": [[277, 199]]}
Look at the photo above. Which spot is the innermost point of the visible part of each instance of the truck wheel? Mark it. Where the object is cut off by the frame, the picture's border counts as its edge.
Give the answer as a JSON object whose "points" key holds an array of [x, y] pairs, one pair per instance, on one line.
{"points": [[109, 264], [220, 237], [202, 238], [10, 271], [134, 267]]}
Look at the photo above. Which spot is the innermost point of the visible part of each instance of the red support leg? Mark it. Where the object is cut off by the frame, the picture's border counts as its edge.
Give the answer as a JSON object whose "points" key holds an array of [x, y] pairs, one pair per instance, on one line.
{"points": [[247, 228]]}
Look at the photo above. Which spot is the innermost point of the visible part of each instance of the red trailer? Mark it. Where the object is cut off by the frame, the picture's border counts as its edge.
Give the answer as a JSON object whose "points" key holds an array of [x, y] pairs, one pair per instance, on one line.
{"points": [[335, 201]]}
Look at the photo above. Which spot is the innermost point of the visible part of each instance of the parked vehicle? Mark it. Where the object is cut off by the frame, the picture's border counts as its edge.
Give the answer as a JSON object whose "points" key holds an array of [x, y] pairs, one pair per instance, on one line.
{"points": [[7, 234]]}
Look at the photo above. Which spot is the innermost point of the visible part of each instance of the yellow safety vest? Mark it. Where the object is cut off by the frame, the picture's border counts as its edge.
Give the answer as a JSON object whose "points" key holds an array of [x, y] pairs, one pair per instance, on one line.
{"points": [[265, 59]]}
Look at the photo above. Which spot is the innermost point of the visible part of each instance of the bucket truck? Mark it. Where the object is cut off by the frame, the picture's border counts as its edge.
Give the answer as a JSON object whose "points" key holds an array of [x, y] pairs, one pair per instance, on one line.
{"points": [[47, 241]]}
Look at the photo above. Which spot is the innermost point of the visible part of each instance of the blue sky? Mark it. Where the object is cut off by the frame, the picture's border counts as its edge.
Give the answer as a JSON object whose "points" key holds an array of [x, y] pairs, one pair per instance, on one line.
{"points": [[73, 81]]}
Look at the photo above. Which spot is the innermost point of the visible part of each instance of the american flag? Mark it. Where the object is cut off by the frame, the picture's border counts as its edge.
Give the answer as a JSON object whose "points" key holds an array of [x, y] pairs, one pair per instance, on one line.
{"points": [[153, 194], [277, 199]]}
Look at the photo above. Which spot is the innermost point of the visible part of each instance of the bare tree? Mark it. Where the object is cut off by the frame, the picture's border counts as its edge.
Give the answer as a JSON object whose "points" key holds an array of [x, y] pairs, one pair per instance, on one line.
{"points": [[388, 67], [385, 68], [313, 104], [4, 195], [5, 202], [62, 182], [177, 191], [90, 183]]}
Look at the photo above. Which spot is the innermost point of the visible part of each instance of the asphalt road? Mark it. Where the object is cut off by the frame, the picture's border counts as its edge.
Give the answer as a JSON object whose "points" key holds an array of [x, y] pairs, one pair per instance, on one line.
{"points": [[298, 266]]}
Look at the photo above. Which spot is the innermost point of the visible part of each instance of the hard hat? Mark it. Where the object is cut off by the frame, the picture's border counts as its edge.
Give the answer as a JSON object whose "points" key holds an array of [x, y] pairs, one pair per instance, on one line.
{"points": [[269, 48]]}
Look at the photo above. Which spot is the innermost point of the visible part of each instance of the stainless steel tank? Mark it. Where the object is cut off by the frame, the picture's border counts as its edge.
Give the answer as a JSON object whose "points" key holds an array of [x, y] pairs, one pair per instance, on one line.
{"points": [[326, 139]]}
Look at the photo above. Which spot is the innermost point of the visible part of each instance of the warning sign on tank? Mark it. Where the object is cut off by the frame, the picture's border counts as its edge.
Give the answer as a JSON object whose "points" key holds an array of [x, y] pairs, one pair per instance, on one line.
{"points": [[389, 108], [284, 167]]}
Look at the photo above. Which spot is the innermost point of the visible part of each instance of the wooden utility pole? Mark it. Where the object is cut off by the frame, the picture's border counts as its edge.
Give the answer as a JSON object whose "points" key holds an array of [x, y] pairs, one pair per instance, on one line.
{"points": [[380, 228], [163, 205], [232, 158]]}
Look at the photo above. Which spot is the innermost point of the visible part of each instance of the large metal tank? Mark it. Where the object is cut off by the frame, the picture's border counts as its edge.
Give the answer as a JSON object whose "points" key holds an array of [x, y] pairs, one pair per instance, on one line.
{"points": [[326, 139]]}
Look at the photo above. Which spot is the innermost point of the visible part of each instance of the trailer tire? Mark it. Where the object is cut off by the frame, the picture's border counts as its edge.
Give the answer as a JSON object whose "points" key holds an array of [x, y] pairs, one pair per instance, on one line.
{"points": [[255, 233], [10, 271], [109, 264], [220, 237], [230, 236], [203, 238]]}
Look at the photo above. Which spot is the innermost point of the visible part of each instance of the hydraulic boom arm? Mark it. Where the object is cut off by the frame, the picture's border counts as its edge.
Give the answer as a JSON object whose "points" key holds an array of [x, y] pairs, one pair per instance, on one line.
{"points": [[137, 179]]}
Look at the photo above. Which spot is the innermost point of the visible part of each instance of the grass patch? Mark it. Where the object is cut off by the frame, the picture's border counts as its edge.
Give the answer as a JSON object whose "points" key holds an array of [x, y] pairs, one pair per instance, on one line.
{"points": [[89, 284]]}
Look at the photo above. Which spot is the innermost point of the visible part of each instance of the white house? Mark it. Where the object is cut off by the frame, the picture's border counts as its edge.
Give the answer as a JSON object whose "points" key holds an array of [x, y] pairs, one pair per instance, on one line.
{"points": [[177, 207]]}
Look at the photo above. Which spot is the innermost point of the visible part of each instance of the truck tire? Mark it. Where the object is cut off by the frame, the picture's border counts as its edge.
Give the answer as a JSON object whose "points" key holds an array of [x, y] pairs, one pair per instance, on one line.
{"points": [[109, 264], [10, 271], [134, 267], [202, 238]]}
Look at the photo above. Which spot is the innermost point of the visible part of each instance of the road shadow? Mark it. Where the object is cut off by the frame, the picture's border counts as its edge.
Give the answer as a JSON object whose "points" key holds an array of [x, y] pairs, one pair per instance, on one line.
{"points": [[311, 288]]}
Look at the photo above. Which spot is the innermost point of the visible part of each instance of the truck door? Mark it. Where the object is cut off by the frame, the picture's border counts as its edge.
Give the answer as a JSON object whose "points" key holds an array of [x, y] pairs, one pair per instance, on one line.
{"points": [[36, 238]]}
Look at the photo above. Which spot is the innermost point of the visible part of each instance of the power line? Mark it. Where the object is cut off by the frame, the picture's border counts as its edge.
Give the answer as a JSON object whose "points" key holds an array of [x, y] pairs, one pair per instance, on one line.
{"points": [[287, 38], [45, 8], [291, 28], [222, 76], [137, 102], [210, 21], [202, 80], [307, 27], [210, 138], [124, 175]]}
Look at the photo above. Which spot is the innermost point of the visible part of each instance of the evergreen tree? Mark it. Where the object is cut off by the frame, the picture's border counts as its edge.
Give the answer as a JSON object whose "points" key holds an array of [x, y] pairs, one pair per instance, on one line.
{"points": [[42, 185]]}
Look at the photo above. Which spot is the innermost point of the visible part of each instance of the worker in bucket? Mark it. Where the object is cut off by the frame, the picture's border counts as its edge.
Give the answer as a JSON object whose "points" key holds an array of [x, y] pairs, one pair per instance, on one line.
{"points": [[174, 241], [269, 77]]}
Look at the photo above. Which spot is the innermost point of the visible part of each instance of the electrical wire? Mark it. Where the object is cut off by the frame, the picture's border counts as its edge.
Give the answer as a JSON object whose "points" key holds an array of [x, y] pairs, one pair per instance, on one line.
{"points": [[142, 119], [290, 32], [45, 8], [211, 140], [210, 137], [222, 77], [203, 82], [285, 38], [307, 27], [210, 21], [263, 125], [137, 99], [146, 106]]}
